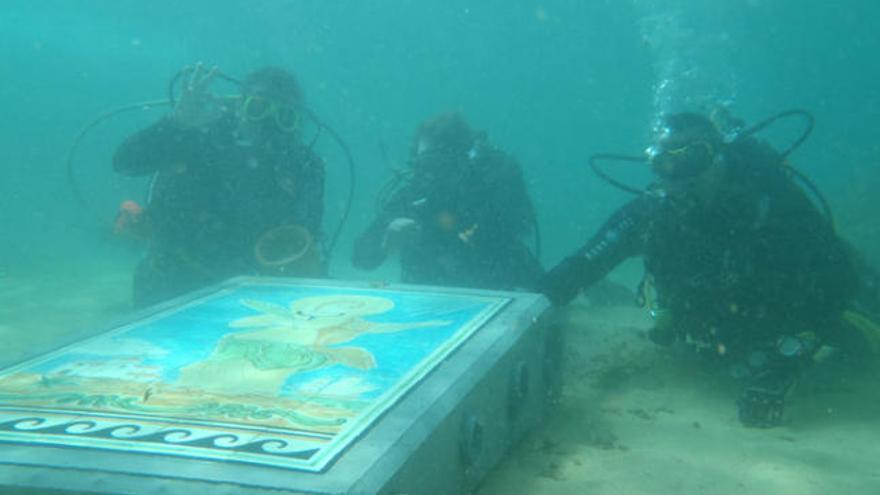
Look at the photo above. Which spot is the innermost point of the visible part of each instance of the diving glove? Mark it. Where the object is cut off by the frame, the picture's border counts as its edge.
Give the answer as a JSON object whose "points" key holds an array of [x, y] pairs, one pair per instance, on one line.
{"points": [[563, 282]]}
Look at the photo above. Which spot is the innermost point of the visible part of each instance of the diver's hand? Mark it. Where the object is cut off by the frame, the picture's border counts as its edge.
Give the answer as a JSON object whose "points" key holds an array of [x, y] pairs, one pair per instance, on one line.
{"points": [[196, 106], [398, 232], [563, 282]]}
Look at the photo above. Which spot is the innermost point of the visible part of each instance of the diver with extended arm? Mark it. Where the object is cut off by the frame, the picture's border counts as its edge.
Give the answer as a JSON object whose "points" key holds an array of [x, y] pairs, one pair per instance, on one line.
{"points": [[745, 269]]}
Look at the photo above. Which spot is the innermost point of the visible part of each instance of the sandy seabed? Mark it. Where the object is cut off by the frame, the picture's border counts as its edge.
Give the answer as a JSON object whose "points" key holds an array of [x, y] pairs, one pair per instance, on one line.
{"points": [[638, 419], [42, 311], [632, 418]]}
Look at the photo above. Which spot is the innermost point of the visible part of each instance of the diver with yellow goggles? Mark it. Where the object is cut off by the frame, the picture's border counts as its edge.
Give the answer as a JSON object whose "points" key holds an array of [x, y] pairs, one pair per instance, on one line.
{"points": [[236, 190], [746, 271], [265, 114]]}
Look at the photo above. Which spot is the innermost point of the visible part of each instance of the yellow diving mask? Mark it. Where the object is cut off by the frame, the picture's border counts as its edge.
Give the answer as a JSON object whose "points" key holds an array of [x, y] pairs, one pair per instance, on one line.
{"points": [[257, 108]]}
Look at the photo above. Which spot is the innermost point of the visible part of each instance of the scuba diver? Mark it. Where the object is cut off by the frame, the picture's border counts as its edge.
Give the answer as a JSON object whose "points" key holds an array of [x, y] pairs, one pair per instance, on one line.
{"points": [[235, 190], [743, 268], [457, 216]]}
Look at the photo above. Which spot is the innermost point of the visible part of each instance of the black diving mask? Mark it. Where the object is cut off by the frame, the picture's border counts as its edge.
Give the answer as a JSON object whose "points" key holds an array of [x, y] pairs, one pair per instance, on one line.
{"points": [[680, 162]]}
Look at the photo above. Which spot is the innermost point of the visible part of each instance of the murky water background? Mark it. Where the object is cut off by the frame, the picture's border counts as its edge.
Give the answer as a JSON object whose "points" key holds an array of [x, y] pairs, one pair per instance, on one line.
{"points": [[552, 82]]}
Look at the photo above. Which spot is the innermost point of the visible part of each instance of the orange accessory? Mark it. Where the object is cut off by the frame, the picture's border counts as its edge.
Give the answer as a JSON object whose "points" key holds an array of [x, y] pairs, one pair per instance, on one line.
{"points": [[130, 220]]}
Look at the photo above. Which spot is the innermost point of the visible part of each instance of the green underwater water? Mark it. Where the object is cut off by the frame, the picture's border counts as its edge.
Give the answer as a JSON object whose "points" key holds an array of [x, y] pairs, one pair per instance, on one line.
{"points": [[550, 81]]}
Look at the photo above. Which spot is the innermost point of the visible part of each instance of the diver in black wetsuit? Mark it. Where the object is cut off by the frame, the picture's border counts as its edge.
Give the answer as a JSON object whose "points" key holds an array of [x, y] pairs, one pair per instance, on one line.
{"points": [[459, 215], [745, 269], [234, 185]]}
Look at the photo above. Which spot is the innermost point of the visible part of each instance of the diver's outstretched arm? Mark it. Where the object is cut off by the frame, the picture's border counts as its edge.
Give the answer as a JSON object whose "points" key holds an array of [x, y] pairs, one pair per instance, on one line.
{"points": [[620, 238]]}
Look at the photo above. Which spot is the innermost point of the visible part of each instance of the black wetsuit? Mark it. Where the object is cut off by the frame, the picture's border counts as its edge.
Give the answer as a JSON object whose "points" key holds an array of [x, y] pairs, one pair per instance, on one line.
{"points": [[210, 201], [758, 264], [473, 225]]}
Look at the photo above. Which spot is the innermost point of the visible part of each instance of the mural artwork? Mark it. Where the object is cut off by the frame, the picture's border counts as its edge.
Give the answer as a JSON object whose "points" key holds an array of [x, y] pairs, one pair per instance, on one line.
{"points": [[270, 374]]}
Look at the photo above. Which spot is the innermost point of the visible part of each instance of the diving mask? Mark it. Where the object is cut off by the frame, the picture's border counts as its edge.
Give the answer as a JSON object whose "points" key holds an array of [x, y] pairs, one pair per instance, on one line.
{"points": [[679, 162], [257, 108]]}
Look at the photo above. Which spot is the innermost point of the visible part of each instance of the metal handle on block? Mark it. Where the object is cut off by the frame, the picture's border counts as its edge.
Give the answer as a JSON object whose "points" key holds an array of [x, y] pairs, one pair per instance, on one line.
{"points": [[471, 443], [518, 387]]}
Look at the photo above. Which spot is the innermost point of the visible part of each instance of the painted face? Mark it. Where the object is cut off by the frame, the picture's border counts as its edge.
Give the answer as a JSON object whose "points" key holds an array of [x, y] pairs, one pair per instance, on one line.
{"points": [[342, 307]]}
